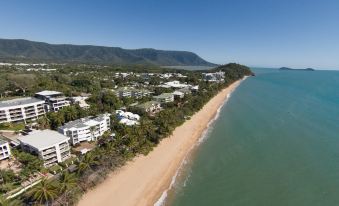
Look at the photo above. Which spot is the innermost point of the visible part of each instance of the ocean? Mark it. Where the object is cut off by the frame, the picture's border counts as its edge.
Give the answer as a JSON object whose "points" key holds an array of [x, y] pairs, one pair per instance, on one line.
{"points": [[275, 142]]}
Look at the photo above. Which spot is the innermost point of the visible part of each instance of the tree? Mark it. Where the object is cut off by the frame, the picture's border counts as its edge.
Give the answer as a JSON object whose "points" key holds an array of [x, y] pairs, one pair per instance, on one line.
{"points": [[7, 176], [22, 81], [44, 192], [3, 87], [66, 184], [43, 122], [87, 162]]}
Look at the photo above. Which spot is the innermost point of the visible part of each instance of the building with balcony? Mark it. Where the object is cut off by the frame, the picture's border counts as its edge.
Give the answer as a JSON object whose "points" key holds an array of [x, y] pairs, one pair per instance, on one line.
{"points": [[164, 98], [21, 109], [54, 101], [214, 77], [86, 129], [5, 151], [126, 92], [123, 92], [51, 146]]}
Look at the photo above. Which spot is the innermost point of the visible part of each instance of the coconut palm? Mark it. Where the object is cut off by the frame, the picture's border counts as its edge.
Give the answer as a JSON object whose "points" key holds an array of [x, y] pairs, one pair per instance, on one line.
{"points": [[9, 202], [44, 192], [67, 183], [87, 162]]}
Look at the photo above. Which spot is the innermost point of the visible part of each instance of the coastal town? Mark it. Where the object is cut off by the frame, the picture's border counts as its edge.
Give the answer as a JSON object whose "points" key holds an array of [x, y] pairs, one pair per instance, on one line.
{"points": [[47, 134]]}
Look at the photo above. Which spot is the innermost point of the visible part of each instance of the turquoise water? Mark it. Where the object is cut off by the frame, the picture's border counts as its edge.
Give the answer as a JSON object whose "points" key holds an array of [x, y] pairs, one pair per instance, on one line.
{"points": [[276, 142]]}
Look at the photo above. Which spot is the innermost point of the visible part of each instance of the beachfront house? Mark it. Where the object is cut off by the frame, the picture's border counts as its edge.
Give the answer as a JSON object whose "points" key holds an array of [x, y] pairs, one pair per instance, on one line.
{"points": [[86, 129], [150, 107], [21, 109], [54, 101], [214, 77], [127, 118], [174, 84], [51, 146], [5, 151], [164, 98]]}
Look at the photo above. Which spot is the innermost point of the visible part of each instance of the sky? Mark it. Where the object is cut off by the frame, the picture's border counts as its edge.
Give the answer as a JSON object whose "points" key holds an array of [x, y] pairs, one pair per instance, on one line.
{"points": [[263, 33]]}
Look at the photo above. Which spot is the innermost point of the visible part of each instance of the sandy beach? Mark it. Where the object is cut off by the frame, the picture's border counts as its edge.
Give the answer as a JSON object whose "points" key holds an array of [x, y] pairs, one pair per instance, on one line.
{"points": [[142, 181]]}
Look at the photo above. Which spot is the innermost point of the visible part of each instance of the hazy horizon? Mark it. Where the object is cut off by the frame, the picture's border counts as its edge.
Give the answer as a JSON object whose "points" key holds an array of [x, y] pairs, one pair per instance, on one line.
{"points": [[259, 33]]}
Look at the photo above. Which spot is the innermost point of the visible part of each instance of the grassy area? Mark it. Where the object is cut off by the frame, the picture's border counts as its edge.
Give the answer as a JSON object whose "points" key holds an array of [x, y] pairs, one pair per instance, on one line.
{"points": [[68, 162], [54, 169], [12, 126]]}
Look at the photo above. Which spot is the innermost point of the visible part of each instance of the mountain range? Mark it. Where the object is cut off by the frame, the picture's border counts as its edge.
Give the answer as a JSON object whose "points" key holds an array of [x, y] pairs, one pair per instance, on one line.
{"points": [[31, 51]]}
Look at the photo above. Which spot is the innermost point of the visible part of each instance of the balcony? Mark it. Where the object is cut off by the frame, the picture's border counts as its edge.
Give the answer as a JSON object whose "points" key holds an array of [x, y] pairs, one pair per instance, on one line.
{"points": [[47, 163], [47, 157], [48, 151]]}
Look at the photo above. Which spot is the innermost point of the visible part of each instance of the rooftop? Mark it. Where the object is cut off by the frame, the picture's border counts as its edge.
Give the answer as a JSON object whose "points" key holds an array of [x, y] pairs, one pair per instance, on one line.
{"points": [[48, 93], [2, 140], [147, 104], [19, 101], [43, 139], [164, 96], [84, 122]]}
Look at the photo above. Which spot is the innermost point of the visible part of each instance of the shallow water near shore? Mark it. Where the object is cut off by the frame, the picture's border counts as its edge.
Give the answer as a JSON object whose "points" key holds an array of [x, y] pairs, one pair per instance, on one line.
{"points": [[276, 142]]}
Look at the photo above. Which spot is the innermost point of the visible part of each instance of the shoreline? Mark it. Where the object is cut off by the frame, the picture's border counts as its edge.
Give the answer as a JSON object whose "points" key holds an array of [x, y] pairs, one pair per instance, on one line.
{"points": [[145, 179]]}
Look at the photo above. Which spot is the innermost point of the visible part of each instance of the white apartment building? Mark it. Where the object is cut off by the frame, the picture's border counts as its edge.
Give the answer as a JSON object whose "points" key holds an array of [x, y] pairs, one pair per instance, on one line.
{"points": [[214, 77], [21, 109], [131, 92], [174, 84], [49, 145], [139, 93], [5, 151], [54, 101], [86, 129], [123, 92]]}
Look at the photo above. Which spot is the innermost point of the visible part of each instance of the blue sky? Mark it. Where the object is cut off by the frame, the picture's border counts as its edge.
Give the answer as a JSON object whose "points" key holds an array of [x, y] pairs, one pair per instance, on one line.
{"points": [[272, 33]]}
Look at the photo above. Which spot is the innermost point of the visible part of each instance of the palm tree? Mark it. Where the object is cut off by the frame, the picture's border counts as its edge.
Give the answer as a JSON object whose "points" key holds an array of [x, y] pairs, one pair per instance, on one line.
{"points": [[9, 202], [67, 183], [44, 192], [43, 122], [87, 162]]}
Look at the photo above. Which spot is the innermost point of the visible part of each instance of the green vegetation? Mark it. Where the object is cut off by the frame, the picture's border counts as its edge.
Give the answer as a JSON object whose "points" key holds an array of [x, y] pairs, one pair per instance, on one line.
{"points": [[110, 153], [10, 126], [23, 50]]}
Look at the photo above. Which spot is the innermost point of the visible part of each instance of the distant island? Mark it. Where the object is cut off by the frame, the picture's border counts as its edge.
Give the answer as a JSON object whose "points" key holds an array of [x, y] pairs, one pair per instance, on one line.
{"points": [[286, 69]]}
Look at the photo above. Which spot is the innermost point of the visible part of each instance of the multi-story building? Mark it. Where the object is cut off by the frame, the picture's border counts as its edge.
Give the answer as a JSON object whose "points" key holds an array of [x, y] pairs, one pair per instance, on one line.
{"points": [[86, 129], [164, 98], [54, 100], [51, 146], [123, 92], [5, 151], [214, 77], [139, 93], [131, 92], [21, 109]]}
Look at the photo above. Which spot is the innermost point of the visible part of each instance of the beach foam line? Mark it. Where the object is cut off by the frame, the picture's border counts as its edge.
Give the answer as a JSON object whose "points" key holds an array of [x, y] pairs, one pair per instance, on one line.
{"points": [[161, 167], [162, 200]]}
